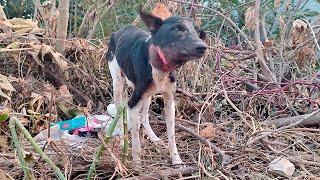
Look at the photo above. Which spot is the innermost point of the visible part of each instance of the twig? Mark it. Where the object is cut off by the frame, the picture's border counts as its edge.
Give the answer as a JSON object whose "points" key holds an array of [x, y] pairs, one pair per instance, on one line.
{"points": [[15, 121], [96, 22], [50, 113], [313, 34], [265, 69], [102, 146]]}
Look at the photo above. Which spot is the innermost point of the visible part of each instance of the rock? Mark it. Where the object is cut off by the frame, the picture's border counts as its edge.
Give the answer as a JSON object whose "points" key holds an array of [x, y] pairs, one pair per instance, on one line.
{"points": [[281, 166], [208, 132]]}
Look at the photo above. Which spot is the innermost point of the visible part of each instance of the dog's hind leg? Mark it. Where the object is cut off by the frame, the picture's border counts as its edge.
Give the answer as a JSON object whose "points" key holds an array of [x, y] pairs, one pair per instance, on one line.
{"points": [[134, 118], [145, 121], [169, 106], [118, 89]]}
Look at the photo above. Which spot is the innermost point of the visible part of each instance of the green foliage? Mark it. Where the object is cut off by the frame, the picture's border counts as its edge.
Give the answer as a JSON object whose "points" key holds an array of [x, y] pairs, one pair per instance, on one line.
{"points": [[123, 13], [18, 8]]}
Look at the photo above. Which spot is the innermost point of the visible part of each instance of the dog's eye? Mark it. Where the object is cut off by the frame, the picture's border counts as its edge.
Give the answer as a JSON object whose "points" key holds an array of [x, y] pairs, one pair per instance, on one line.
{"points": [[179, 28]]}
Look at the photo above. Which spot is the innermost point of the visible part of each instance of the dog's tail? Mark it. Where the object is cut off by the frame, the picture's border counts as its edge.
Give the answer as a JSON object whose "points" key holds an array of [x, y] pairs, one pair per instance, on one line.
{"points": [[111, 48]]}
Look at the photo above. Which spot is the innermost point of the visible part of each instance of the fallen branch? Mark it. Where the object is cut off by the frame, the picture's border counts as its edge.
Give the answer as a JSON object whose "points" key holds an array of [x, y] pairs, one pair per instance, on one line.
{"points": [[165, 173], [312, 120], [265, 134]]}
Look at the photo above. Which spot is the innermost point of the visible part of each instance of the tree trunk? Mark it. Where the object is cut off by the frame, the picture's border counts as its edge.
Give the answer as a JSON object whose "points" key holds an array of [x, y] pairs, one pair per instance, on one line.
{"points": [[264, 68], [2, 14], [62, 25]]}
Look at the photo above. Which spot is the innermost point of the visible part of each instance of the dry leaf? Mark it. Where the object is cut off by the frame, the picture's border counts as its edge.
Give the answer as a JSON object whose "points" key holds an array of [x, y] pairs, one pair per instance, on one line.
{"points": [[268, 43], [208, 132], [5, 84], [37, 100], [161, 11], [300, 25], [249, 18], [57, 57], [3, 144], [19, 23], [65, 93], [277, 3]]}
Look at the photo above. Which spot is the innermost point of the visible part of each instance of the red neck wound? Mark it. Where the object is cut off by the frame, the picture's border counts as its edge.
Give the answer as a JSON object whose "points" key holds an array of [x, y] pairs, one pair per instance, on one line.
{"points": [[162, 58]]}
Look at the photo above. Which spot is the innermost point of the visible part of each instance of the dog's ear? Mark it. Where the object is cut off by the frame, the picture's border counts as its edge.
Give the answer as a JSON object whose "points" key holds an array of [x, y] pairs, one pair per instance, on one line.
{"points": [[152, 22], [202, 35]]}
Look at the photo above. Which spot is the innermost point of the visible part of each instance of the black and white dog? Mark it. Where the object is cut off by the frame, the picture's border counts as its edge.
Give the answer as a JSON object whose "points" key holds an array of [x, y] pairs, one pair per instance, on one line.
{"points": [[146, 61]]}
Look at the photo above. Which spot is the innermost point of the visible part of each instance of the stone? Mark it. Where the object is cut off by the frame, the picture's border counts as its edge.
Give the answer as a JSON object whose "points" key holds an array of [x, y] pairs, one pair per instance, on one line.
{"points": [[281, 166]]}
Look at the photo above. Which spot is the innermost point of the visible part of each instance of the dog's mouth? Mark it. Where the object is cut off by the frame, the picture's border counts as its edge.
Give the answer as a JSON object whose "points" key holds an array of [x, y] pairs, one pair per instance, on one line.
{"points": [[167, 60]]}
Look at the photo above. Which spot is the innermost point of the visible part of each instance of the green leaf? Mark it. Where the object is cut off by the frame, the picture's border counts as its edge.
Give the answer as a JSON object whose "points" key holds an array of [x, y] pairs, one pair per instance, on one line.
{"points": [[4, 115]]}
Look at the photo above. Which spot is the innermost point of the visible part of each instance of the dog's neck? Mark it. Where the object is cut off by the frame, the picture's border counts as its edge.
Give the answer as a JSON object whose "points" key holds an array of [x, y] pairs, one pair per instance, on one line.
{"points": [[158, 59]]}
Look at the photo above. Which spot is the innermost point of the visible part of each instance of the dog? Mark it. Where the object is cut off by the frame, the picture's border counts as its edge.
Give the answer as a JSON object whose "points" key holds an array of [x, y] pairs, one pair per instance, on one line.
{"points": [[146, 61]]}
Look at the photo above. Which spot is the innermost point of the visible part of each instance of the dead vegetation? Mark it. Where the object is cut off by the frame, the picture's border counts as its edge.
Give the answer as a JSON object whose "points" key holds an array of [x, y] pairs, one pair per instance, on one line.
{"points": [[239, 98]]}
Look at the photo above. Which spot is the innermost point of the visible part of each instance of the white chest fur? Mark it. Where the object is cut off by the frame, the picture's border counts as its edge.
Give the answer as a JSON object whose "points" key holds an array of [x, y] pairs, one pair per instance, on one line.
{"points": [[161, 81]]}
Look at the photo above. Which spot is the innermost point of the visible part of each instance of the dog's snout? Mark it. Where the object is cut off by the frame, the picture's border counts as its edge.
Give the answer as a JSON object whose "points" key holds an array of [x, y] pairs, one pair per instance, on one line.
{"points": [[201, 48]]}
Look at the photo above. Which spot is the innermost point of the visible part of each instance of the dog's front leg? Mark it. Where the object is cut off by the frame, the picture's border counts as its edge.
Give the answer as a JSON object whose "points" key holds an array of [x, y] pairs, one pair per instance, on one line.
{"points": [[170, 122], [145, 121]]}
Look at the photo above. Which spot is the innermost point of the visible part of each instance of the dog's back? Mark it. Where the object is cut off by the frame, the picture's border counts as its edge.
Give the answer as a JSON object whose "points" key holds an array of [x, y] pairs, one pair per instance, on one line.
{"points": [[124, 38], [123, 43]]}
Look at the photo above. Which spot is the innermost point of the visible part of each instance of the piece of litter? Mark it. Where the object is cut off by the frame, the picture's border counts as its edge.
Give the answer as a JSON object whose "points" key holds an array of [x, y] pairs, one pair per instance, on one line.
{"points": [[111, 108]]}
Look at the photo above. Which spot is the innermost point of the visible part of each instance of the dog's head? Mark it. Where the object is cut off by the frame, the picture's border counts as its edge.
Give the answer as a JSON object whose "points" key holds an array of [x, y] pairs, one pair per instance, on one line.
{"points": [[174, 41]]}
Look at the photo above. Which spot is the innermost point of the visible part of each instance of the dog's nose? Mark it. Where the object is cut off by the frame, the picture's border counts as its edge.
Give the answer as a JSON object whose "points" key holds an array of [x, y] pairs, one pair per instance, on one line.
{"points": [[201, 48]]}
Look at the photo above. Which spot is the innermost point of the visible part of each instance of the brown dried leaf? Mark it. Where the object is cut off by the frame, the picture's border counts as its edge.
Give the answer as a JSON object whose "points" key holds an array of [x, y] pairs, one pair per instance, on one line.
{"points": [[268, 43], [5, 84], [208, 132], [4, 145], [37, 101], [249, 18], [161, 11], [277, 3], [300, 25], [19, 24], [65, 93], [58, 58]]}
